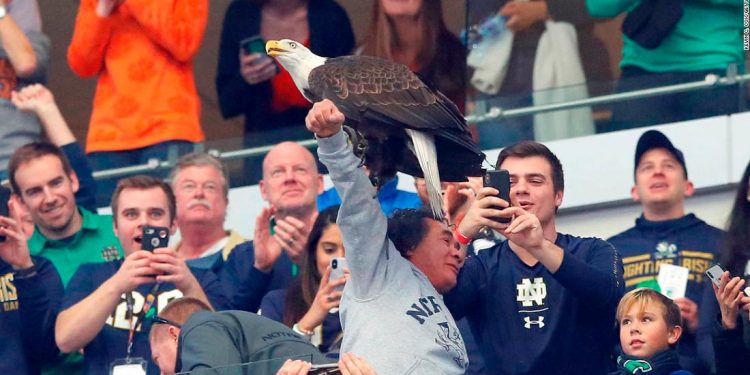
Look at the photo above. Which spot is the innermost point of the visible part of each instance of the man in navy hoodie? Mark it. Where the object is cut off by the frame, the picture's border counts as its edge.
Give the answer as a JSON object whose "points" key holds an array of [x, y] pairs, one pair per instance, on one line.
{"points": [[541, 302], [664, 234], [30, 291]]}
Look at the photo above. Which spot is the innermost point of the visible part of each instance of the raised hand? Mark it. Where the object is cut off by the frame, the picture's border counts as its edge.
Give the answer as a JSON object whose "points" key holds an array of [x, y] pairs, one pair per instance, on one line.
{"points": [[171, 267], [327, 298], [267, 248], [135, 271], [522, 14], [256, 68], [291, 234], [729, 295], [324, 119], [33, 98], [14, 250]]}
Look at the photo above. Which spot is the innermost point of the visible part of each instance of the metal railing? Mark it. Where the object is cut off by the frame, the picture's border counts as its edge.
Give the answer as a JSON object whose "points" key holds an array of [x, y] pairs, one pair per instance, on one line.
{"points": [[494, 113]]}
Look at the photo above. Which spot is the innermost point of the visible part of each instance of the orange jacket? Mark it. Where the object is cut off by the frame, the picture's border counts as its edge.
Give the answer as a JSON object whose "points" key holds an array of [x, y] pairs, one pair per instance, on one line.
{"points": [[142, 54]]}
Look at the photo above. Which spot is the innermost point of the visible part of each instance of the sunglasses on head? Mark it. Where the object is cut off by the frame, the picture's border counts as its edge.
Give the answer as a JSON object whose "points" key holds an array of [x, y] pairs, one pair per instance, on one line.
{"points": [[159, 320]]}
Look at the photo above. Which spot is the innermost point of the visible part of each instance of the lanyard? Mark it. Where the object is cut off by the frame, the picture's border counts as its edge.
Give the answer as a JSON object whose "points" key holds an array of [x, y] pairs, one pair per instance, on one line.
{"points": [[135, 322]]}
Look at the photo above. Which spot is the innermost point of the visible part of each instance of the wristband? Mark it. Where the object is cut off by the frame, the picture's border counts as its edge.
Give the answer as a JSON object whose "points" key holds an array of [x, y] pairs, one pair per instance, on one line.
{"points": [[463, 240], [306, 334]]}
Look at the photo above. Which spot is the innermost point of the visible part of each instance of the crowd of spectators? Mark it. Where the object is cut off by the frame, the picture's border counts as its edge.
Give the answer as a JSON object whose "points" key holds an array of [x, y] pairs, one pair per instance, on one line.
{"points": [[90, 293]]}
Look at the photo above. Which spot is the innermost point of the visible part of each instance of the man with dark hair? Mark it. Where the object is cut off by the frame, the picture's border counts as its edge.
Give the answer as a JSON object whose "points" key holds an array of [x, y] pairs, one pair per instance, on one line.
{"points": [[398, 281], [106, 304], [556, 293], [202, 190], [665, 234], [187, 336], [66, 234]]}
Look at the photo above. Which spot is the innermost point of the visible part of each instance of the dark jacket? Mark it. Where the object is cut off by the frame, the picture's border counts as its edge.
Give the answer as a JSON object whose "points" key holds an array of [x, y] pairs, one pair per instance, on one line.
{"points": [[731, 354], [215, 339], [331, 35], [527, 320], [688, 242], [27, 317]]}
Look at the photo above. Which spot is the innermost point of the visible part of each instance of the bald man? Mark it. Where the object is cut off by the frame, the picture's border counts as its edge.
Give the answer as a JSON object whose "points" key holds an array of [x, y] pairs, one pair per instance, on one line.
{"points": [[290, 184]]}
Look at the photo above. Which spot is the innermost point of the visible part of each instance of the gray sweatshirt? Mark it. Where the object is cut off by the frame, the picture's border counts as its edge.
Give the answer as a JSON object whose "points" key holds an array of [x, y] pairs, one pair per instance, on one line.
{"points": [[390, 312]]}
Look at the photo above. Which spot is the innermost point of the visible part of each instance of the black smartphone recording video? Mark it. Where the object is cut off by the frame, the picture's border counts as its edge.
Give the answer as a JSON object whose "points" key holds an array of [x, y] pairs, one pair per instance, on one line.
{"points": [[4, 199], [154, 237], [500, 180]]}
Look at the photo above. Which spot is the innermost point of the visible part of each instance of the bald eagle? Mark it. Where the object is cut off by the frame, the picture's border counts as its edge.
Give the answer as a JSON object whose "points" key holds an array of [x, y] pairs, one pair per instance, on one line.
{"points": [[399, 122]]}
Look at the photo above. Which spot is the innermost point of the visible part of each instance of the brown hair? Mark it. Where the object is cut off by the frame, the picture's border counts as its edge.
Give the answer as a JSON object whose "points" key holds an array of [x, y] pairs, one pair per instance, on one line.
{"points": [[525, 149], [642, 296], [200, 159], [143, 182], [32, 151], [302, 291], [442, 57]]}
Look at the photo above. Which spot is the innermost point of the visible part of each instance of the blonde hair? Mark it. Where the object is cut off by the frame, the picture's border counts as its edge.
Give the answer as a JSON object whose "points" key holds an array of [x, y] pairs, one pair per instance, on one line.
{"points": [[642, 296]]}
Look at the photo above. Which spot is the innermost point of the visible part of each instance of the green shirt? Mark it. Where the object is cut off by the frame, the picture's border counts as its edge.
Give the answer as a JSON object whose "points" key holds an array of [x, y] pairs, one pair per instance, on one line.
{"points": [[95, 242], [707, 37]]}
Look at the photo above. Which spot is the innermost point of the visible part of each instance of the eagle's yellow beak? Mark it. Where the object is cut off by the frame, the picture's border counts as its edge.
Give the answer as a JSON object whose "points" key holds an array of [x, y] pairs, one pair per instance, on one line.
{"points": [[274, 48]]}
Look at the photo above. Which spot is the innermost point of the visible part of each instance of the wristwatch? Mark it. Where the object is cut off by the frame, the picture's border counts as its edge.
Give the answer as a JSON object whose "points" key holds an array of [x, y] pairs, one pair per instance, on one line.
{"points": [[3, 11]]}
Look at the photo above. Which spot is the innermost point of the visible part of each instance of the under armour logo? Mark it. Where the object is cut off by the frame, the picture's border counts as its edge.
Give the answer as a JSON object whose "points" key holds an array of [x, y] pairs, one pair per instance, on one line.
{"points": [[531, 293], [529, 322]]}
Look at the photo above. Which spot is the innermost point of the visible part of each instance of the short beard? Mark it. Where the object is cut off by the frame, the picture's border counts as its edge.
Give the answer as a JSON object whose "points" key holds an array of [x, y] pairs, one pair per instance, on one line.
{"points": [[57, 229]]}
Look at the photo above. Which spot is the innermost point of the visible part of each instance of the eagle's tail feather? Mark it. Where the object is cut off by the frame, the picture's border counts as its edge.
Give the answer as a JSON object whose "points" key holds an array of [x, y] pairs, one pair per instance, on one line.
{"points": [[424, 148]]}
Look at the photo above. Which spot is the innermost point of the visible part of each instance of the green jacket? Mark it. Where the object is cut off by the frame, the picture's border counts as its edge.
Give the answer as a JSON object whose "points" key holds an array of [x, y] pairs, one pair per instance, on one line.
{"points": [[209, 340]]}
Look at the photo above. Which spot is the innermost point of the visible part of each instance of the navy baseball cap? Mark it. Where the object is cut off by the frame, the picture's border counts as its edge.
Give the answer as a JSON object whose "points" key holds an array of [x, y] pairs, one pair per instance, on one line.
{"points": [[655, 139]]}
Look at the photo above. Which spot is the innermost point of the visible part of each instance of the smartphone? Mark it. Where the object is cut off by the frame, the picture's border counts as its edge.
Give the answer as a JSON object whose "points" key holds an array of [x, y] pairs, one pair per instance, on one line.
{"points": [[4, 199], [338, 266], [325, 369], [253, 44], [154, 237], [714, 273], [500, 180]]}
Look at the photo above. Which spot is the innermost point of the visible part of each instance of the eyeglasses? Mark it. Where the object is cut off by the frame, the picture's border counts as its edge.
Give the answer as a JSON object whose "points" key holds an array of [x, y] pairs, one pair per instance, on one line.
{"points": [[159, 320]]}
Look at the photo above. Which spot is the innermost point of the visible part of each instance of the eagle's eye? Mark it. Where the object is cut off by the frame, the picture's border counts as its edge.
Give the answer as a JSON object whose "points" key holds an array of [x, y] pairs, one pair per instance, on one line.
{"points": [[293, 45]]}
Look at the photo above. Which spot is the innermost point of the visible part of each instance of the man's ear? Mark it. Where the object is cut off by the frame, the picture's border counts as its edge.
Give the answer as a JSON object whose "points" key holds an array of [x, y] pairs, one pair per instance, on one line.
{"points": [[634, 194], [262, 187], [689, 189], [321, 185], [673, 335], [174, 333], [74, 181], [558, 198]]}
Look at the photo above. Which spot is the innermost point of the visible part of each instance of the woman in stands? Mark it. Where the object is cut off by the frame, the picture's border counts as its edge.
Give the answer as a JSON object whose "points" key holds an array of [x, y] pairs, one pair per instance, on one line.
{"points": [[413, 33], [730, 352], [249, 83], [310, 304]]}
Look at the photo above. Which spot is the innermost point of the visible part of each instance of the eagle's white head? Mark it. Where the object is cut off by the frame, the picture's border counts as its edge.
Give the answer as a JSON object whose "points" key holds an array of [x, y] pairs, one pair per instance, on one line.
{"points": [[297, 59]]}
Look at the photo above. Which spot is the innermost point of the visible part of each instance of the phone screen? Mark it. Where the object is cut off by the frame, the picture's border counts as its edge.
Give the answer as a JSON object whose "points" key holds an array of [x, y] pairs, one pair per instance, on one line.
{"points": [[253, 44]]}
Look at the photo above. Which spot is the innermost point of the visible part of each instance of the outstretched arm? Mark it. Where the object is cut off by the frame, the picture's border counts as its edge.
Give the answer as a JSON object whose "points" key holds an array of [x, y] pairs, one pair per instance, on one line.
{"points": [[362, 223]]}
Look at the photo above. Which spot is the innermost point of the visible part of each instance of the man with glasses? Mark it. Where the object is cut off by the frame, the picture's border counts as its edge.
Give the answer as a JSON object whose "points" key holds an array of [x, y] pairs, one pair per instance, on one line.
{"points": [[201, 188], [188, 336], [105, 306]]}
